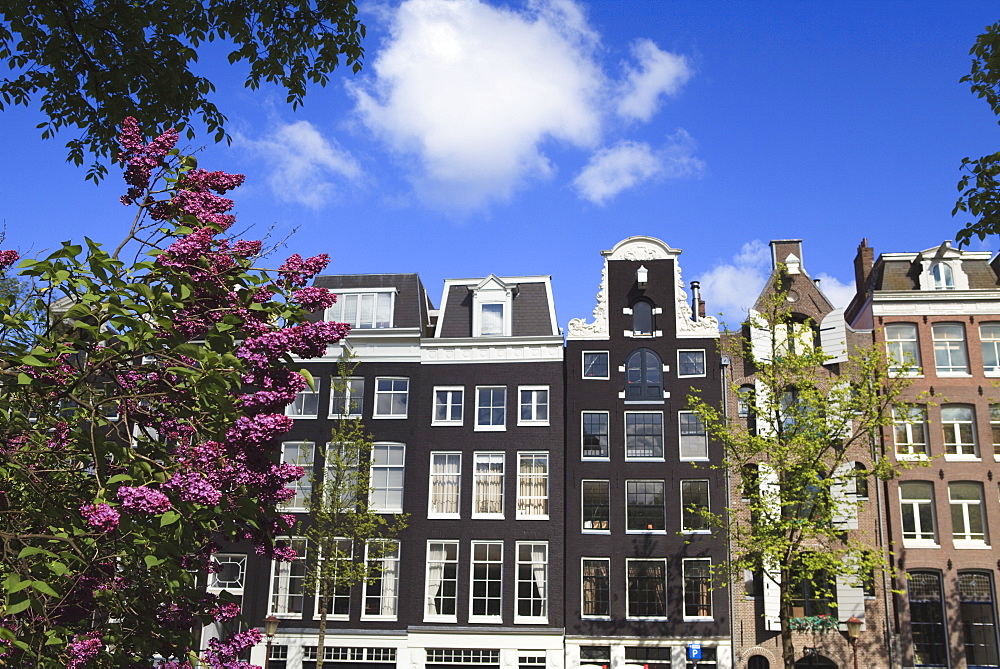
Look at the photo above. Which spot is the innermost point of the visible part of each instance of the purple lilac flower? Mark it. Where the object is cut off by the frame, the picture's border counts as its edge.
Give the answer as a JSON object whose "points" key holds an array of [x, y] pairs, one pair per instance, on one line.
{"points": [[101, 517], [84, 648], [193, 487], [143, 500]]}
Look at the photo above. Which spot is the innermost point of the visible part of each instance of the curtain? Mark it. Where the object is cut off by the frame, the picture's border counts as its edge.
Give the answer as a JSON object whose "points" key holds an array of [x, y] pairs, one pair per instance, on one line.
{"points": [[390, 565], [435, 577], [539, 573], [533, 486], [489, 483], [445, 477]]}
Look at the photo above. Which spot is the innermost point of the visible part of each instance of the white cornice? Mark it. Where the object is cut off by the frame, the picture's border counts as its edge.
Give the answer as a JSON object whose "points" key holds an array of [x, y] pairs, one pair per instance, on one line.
{"points": [[469, 350]]}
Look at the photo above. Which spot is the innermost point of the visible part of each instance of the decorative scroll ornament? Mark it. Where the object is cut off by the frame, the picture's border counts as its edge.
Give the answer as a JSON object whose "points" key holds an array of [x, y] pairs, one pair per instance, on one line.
{"points": [[579, 328]]}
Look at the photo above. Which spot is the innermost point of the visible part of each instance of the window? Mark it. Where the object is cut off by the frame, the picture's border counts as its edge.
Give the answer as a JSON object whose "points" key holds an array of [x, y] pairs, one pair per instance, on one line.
{"points": [[949, 348], [909, 428], [446, 485], [858, 485], [595, 365], [533, 486], [287, 582], [927, 619], [448, 405], [391, 397], [347, 398], [306, 402], [811, 595], [338, 602], [229, 573], [978, 614], [487, 492], [958, 423], [650, 657], [595, 434], [643, 377], [491, 408], [646, 588], [694, 501], [596, 585], [989, 337], [943, 277], [388, 463], [644, 435], [916, 499], [536, 661], [595, 657], [995, 428], [967, 522], [363, 311], [340, 462], [697, 588], [644, 506], [349, 656], [694, 439], [487, 580], [532, 582], [382, 593], [744, 401], [690, 363], [903, 347], [642, 319], [300, 454], [442, 580], [491, 320], [440, 657], [596, 505], [534, 405]]}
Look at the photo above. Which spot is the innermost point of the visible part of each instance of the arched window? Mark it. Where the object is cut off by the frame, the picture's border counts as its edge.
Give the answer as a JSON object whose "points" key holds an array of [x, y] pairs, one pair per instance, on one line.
{"points": [[643, 376], [860, 481], [758, 662], [642, 318], [943, 277]]}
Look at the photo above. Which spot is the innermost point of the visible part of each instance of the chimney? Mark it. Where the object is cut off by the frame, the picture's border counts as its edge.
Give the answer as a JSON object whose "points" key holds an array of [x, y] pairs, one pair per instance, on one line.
{"points": [[863, 265], [697, 311], [701, 308]]}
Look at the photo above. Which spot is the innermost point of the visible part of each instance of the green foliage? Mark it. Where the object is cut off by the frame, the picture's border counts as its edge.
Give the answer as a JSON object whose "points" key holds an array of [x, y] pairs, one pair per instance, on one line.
{"points": [[811, 422], [979, 187], [89, 64], [349, 538]]}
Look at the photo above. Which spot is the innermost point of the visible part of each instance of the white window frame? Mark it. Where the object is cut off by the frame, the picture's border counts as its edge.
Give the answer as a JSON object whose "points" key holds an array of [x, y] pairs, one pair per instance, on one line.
{"points": [[449, 405], [391, 393], [684, 585], [307, 395], [628, 603], [646, 458], [232, 587], [491, 563], [896, 348], [525, 501], [335, 312], [332, 599], [708, 502], [353, 397], [680, 437], [583, 520], [532, 567], [952, 433], [534, 405], [942, 276], [905, 424], [607, 437], [390, 565], [492, 291], [680, 367], [921, 540], [489, 458], [663, 496], [456, 476], [963, 537], [388, 467], [990, 341], [583, 596], [491, 427], [283, 577], [305, 458], [439, 617], [952, 347], [994, 410], [583, 365]]}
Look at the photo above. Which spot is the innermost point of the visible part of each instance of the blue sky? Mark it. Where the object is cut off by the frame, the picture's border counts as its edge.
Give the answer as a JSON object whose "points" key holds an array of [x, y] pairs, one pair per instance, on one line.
{"points": [[525, 137]]}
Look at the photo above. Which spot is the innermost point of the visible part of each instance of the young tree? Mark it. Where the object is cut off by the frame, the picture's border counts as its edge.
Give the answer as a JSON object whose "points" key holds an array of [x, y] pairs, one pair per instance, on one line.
{"points": [[796, 462], [139, 405], [351, 541], [90, 64], [980, 185]]}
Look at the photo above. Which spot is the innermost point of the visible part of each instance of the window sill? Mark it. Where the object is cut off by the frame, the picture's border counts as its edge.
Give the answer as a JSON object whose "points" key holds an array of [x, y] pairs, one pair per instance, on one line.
{"points": [[487, 516], [644, 402], [647, 618], [706, 459], [440, 619], [583, 617], [601, 378], [954, 375], [696, 532], [344, 416], [444, 516], [531, 621], [446, 423], [699, 619], [660, 532], [964, 544], [532, 423], [287, 616], [920, 543], [491, 428], [313, 417], [595, 531], [693, 376], [961, 457], [389, 417], [331, 616], [644, 459], [532, 517], [486, 619], [595, 458], [912, 457], [386, 510], [384, 618], [991, 372]]}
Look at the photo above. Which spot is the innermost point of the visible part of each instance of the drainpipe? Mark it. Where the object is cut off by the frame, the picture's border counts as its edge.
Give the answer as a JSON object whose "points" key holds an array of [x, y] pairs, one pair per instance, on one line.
{"points": [[729, 503]]}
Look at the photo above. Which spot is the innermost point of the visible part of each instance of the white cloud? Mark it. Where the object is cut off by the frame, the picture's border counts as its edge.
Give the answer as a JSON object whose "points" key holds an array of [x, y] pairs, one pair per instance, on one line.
{"points": [[475, 91], [731, 288], [628, 164], [659, 73], [305, 166], [840, 294]]}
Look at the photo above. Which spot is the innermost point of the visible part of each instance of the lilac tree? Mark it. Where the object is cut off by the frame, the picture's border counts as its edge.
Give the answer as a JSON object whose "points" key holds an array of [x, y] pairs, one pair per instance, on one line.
{"points": [[139, 406]]}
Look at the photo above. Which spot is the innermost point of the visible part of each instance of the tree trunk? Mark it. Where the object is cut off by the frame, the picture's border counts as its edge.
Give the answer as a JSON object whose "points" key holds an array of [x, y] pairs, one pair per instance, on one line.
{"points": [[787, 648], [321, 637]]}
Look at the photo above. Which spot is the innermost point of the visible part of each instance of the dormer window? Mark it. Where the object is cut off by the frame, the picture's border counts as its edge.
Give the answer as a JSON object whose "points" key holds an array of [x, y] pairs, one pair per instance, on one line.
{"points": [[642, 319], [364, 310], [944, 278], [491, 308]]}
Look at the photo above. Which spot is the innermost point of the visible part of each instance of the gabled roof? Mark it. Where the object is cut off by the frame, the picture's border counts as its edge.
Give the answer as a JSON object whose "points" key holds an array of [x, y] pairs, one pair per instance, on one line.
{"points": [[532, 307]]}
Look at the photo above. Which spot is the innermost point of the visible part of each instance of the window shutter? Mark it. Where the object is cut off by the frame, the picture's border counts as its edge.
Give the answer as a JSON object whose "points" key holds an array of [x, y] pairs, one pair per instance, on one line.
{"points": [[845, 506], [850, 599], [772, 600]]}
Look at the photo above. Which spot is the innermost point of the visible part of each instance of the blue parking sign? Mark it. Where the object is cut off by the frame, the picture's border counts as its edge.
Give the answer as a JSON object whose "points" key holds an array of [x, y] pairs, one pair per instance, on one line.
{"points": [[694, 651]]}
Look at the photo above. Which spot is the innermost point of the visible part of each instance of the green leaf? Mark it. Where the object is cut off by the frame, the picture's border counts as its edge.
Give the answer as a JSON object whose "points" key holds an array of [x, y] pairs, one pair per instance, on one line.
{"points": [[151, 561], [169, 518], [17, 607], [34, 550], [23, 379], [44, 588]]}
